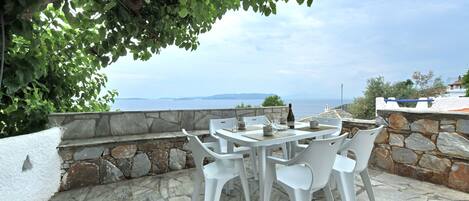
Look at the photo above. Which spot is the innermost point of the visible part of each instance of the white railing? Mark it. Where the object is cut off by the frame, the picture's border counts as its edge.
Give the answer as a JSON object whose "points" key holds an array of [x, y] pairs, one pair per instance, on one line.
{"points": [[438, 104]]}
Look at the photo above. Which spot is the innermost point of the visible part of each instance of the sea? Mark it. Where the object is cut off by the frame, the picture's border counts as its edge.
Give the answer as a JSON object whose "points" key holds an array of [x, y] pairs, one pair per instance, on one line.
{"points": [[301, 107]]}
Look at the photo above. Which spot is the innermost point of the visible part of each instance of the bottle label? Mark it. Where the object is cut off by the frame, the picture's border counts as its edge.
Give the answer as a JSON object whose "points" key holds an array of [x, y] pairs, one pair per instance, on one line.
{"points": [[291, 123]]}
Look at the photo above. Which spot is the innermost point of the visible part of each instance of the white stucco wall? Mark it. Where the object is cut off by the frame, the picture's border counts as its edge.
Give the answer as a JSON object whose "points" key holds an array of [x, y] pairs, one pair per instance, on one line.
{"points": [[42, 180]]}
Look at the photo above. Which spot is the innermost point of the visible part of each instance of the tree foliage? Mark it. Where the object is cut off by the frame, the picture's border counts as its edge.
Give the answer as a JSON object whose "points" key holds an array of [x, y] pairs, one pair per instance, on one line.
{"points": [[465, 82], [421, 85], [55, 49], [273, 100], [242, 105]]}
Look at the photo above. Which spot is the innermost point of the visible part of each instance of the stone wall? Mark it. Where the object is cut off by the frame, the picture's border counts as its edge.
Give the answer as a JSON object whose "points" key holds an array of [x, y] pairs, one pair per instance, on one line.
{"points": [[101, 148], [104, 124], [432, 147]]}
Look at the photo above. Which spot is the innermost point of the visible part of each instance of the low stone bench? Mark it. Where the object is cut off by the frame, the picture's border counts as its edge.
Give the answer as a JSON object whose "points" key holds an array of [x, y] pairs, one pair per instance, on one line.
{"points": [[110, 159]]}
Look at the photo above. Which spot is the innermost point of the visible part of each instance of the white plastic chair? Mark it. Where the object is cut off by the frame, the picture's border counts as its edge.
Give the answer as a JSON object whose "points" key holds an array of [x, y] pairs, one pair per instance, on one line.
{"points": [[262, 120], [230, 123], [345, 168], [323, 121], [306, 173], [216, 174]]}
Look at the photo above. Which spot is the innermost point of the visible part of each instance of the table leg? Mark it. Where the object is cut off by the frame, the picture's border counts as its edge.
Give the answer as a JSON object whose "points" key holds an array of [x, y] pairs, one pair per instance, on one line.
{"points": [[230, 147], [262, 156], [229, 150]]}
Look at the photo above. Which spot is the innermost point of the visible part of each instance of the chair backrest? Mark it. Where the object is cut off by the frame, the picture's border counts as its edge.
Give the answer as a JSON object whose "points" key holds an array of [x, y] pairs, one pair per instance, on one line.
{"points": [[361, 145], [216, 124], [199, 151], [256, 120], [319, 156]]}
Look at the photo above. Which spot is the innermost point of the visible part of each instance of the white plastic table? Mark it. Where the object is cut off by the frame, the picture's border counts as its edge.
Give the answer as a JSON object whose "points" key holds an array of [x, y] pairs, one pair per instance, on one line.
{"points": [[260, 146]]}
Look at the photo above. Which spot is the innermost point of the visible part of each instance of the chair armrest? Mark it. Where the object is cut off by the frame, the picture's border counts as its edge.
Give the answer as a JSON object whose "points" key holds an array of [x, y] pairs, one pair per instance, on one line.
{"points": [[276, 160], [344, 146], [213, 145]]}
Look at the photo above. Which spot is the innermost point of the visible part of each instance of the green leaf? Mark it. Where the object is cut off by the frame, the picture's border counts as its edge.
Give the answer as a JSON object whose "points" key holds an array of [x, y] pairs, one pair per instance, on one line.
{"points": [[300, 1], [309, 2], [245, 5], [110, 5], [183, 12]]}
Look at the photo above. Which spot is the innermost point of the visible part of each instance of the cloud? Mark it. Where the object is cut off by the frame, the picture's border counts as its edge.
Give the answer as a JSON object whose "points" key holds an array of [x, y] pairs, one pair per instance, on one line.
{"points": [[301, 48]]}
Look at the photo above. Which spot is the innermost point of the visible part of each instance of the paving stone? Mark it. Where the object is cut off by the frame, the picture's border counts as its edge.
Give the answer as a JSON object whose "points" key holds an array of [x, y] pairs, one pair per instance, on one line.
{"points": [[81, 174], [462, 126], [180, 198], [187, 120], [103, 128], [382, 137], [434, 163], [160, 161], [161, 125], [177, 159], [110, 172], [425, 126], [396, 140], [447, 128], [88, 153], [403, 155], [382, 158], [128, 123], [124, 151], [398, 121], [459, 176], [171, 116], [125, 165], [447, 121], [79, 129], [141, 165], [418, 142], [453, 144]]}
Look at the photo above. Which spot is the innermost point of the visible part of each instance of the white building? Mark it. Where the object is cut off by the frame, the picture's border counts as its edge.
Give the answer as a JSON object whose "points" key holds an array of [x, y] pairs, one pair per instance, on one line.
{"points": [[455, 89]]}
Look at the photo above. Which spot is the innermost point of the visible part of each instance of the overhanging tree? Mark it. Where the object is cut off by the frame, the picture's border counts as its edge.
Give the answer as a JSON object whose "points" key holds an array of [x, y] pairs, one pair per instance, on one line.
{"points": [[54, 49]]}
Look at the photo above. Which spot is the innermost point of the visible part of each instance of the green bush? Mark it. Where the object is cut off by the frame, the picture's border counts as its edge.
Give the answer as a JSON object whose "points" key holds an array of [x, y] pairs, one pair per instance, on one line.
{"points": [[242, 105], [273, 100], [421, 85]]}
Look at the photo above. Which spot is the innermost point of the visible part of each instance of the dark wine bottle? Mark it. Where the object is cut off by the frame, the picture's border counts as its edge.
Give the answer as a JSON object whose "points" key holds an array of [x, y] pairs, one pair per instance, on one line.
{"points": [[290, 118]]}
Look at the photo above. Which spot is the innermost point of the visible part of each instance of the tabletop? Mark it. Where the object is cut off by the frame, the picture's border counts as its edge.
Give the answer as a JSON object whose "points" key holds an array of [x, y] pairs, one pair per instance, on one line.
{"points": [[289, 135]]}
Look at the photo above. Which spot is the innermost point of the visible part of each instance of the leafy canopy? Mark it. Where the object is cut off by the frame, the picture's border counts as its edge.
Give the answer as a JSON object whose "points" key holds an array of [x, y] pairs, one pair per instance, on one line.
{"points": [[465, 82], [273, 100], [55, 49]]}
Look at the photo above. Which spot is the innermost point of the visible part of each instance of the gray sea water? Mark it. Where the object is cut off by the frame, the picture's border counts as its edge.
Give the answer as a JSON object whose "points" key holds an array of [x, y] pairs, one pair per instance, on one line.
{"points": [[301, 107]]}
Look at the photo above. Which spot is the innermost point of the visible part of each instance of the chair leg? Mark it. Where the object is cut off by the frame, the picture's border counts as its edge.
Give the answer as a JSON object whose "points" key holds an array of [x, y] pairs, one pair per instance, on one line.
{"points": [[269, 179], [245, 184], [346, 185], [328, 192], [253, 157], [285, 151], [367, 182], [301, 195], [213, 189], [197, 185]]}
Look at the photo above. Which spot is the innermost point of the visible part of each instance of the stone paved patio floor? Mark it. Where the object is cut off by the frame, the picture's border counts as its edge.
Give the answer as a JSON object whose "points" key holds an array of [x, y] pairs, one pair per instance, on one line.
{"points": [[177, 186]]}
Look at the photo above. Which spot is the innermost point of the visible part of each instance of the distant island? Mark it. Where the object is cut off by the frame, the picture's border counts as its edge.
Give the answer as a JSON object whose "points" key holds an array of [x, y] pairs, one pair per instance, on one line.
{"points": [[243, 96], [240, 96]]}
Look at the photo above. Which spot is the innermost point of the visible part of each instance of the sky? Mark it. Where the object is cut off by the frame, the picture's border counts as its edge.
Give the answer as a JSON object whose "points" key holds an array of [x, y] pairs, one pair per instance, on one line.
{"points": [[307, 52]]}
